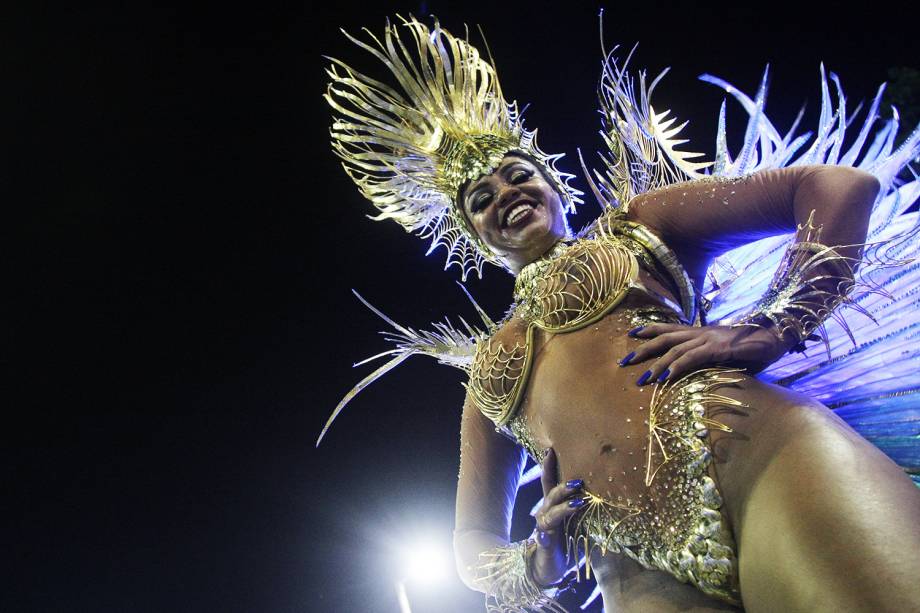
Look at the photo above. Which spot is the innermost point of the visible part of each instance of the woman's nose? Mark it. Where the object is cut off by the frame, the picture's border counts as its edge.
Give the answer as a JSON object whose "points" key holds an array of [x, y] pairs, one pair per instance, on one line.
{"points": [[508, 194]]}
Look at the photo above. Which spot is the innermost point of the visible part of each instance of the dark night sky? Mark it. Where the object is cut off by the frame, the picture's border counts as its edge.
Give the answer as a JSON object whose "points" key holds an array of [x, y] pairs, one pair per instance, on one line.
{"points": [[181, 316]]}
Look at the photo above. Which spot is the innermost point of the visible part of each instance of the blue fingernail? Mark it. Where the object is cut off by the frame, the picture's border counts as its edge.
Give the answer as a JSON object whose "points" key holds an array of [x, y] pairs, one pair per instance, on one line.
{"points": [[664, 375], [628, 357], [577, 502], [574, 484], [635, 331], [644, 377]]}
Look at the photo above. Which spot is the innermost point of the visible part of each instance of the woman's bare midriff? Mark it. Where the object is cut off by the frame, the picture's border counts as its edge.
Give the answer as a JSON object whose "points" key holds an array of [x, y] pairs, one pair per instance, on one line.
{"points": [[590, 411], [588, 408]]}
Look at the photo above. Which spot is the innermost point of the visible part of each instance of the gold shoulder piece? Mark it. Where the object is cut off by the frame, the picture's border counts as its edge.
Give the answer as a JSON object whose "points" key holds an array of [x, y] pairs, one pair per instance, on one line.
{"points": [[663, 254]]}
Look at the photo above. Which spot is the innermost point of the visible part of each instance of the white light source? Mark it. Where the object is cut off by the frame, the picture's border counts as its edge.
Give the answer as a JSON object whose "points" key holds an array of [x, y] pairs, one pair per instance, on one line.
{"points": [[426, 563]]}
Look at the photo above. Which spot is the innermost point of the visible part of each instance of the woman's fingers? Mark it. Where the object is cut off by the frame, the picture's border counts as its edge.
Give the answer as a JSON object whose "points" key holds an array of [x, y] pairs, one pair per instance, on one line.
{"points": [[560, 500], [653, 330], [680, 350], [550, 517], [549, 478], [553, 491], [561, 492], [660, 344], [691, 360], [662, 370]]}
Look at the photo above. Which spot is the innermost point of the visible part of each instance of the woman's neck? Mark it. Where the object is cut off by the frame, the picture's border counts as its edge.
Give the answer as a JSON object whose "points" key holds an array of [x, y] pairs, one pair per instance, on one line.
{"points": [[551, 253]]}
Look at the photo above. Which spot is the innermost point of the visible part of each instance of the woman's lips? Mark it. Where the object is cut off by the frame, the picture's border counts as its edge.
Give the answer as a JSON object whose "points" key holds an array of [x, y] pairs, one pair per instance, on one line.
{"points": [[519, 213]]}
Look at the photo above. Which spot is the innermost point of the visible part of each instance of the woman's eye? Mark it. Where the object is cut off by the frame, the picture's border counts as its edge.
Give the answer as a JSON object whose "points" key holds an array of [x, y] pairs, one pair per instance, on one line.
{"points": [[480, 202], [521, 176]]}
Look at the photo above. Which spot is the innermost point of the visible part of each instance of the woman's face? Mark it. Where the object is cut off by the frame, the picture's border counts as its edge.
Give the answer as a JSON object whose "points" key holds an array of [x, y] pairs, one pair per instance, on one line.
{"points": [[515, 211]]}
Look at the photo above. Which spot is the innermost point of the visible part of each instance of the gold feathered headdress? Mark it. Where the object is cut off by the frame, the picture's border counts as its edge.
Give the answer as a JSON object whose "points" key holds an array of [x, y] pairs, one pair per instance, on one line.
{"points": [[409, 150]]}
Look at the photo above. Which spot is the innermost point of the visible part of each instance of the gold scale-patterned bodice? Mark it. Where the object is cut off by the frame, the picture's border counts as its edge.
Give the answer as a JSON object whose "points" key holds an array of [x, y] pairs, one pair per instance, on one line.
{"points": [[572, 287], [675, 523]]}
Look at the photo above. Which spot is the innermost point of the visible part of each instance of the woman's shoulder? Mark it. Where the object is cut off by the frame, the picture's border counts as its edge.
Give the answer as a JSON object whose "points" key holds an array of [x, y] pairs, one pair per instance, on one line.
{"points": [[509, 332]]}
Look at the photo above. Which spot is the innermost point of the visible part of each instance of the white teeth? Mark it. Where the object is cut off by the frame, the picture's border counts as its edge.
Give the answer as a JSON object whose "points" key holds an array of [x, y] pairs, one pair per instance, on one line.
{"points": [[516, 214]]}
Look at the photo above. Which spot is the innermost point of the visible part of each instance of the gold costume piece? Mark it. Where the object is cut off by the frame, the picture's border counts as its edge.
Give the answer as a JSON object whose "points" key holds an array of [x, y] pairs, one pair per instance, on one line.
{"points": [[572, 287], [811, 282], [505, 577], [676, 524], [410, 149]]}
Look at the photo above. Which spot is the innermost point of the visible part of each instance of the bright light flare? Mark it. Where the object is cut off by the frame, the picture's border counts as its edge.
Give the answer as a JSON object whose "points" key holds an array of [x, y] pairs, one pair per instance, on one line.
{"points": [[426, 563]]}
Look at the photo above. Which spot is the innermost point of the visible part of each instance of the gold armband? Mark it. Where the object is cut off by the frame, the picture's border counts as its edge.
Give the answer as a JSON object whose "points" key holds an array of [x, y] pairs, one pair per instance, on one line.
{"points": [[811, 282], [504, 575]]}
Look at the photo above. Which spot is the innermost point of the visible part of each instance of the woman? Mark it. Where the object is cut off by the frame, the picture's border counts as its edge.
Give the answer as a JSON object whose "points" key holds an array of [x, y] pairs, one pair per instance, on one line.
{"points": [[597, 373], [781, 444]]}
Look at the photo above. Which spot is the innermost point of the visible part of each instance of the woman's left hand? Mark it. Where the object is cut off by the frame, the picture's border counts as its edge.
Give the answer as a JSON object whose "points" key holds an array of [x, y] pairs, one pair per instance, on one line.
{"points": [[682, 349]]}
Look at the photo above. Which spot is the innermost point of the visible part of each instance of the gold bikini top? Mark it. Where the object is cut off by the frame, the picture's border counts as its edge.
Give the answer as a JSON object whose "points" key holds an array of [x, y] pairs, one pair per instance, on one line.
{"points": [[573, 286]]}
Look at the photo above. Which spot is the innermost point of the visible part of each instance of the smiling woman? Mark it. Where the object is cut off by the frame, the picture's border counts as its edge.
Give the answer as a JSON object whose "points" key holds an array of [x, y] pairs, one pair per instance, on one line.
{"points": [[515, 211], [661, 448]]}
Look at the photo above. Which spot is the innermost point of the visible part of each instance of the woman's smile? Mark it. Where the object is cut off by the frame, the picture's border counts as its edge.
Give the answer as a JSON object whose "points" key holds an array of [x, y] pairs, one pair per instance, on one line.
{"points": [[515, 211], [519, 213]]}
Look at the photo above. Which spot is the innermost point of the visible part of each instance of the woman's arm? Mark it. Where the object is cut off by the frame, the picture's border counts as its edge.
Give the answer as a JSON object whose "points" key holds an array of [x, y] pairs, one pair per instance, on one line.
{"points": [[490, 466], [701, 220], [509, 573]]}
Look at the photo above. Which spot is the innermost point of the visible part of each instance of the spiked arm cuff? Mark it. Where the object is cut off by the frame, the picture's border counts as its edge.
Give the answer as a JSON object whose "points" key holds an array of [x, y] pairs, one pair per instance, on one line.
{"points": [[504, 574], [811, 282]]}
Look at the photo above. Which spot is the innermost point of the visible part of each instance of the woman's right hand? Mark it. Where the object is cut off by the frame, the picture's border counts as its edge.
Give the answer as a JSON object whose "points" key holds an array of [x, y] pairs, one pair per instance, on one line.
{"points": [[560, 501]]}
